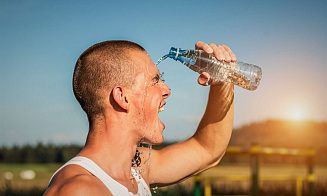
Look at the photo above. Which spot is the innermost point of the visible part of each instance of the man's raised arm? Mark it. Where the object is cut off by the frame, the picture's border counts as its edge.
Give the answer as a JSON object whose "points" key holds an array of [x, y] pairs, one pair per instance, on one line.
{"points": [[207, 146]]}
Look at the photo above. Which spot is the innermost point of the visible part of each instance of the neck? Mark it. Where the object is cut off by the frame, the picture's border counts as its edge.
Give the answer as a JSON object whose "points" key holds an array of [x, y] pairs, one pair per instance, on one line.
{"points": [[112, 148]]}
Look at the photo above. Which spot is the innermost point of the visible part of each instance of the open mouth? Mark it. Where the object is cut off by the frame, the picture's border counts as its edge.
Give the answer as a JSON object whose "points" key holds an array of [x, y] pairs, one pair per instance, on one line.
{"points": [[161, 106], [161, 109]]}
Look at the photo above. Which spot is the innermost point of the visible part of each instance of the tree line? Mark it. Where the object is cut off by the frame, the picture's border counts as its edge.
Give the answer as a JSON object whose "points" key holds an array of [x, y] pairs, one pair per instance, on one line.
{"points": [[50, 153], [39, 153], [45, 153]]}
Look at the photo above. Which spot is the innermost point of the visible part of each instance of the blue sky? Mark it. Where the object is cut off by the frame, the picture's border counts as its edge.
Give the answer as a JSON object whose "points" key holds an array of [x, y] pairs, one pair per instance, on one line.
{"points": [[41, 40]]}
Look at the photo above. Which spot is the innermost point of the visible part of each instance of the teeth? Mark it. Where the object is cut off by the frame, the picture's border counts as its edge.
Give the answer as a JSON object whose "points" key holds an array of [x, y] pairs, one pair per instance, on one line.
{"points": [[161, 109]]}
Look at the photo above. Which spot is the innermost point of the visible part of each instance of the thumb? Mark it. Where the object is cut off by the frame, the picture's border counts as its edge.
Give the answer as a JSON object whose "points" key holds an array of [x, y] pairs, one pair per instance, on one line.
{"points": [[204, 79]]}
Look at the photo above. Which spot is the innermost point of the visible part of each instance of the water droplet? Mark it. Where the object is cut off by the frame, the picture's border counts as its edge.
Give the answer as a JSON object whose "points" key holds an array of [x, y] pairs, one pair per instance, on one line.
{"points": [[150, 149], [155, 189]]}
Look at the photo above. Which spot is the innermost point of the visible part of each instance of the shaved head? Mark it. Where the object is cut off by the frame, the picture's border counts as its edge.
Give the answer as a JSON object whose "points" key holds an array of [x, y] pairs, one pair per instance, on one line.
{"points": [[99, 69]]}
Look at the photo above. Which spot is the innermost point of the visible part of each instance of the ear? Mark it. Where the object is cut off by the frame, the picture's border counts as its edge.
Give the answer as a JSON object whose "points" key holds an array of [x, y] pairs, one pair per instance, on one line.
{"points": [[120, 96]]}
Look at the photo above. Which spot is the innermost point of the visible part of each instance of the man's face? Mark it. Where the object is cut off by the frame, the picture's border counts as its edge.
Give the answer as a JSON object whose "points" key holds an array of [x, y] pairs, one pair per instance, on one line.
{"points": [[149, 93]]}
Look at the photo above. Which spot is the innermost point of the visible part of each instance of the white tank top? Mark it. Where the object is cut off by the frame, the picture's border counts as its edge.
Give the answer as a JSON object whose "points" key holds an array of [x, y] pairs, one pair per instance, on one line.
{"points": [[114, 187]]}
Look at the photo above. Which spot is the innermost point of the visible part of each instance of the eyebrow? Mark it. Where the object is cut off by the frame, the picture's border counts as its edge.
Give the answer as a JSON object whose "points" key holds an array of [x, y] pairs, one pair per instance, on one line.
{"points": [[157, 77]]}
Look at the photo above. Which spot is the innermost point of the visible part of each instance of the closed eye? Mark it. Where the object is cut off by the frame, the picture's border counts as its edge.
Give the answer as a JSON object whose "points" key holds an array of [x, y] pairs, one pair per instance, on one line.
{"points": [[156, 79]]}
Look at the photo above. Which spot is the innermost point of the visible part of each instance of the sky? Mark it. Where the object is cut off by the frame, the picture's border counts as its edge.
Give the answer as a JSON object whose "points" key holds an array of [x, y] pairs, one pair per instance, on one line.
{"points": [[41, 40]]}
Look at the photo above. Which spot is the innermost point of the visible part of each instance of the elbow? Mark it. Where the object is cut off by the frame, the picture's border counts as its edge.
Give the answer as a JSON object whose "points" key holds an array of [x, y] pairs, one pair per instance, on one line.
{"points": [[216, 160]]}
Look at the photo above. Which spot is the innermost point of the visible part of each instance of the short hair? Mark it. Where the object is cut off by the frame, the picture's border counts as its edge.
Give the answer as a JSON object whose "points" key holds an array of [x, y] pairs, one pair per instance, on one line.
{"points": [[99, 69]]}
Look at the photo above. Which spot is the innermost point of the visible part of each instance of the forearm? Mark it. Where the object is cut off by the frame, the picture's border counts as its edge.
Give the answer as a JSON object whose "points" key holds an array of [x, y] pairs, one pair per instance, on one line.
{"points": [[204, 149], [214, 131]]}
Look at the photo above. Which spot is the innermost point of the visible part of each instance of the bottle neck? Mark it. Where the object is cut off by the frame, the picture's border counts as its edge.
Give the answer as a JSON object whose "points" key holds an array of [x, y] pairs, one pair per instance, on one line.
{"points": [[174, 53], [186, 57]]}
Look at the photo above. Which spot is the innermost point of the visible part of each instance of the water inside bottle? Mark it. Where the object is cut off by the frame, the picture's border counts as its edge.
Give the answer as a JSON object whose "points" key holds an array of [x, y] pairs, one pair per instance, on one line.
{"points": [[232, 73], [240, 80], [225, 72]]}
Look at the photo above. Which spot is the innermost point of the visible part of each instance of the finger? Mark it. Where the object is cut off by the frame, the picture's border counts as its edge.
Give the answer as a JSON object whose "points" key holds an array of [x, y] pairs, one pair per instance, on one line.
{"points": [[219, 53], [203, 46], [199, 45], [204, 79], [233, 56], [227, 57], [230, 52], [225, 53]]}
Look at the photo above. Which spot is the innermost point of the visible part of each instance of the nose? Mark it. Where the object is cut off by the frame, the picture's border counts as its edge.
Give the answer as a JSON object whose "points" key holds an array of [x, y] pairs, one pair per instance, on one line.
{"points": [[165, 90]]}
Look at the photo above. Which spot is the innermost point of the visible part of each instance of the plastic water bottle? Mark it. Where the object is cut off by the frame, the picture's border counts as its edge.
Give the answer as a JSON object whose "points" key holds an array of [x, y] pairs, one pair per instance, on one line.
{"points": [[245, 75]]}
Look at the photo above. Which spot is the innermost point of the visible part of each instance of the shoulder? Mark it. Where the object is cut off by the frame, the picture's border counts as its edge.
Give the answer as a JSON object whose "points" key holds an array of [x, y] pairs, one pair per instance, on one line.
{"points": [[75, 180]]}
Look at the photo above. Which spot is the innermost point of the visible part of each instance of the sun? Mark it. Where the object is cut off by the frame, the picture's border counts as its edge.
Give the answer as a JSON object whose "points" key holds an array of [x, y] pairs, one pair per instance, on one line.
{"points": [[297, 114]]}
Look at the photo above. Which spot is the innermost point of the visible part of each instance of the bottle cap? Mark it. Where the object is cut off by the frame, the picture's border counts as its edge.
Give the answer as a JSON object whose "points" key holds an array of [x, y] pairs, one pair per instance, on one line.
{"points": [[173, 53]]}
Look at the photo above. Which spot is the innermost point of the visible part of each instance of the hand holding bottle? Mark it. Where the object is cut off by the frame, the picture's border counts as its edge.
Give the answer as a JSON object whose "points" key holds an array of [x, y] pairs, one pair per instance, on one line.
{"points": [[217, 63], [221, 53]]}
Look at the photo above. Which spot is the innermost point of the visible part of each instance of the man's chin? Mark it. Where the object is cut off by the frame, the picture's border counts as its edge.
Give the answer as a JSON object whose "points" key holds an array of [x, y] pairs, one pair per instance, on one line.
{"points": [[154, 141], [158, 142]]}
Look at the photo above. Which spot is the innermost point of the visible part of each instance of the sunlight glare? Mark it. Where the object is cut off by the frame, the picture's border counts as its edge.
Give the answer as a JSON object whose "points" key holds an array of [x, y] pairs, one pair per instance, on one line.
{"points": [[297, 114]]}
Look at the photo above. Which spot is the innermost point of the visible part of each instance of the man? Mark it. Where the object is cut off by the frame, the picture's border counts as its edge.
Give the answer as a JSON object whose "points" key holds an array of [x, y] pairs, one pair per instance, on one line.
{"points": [[120, 89]]}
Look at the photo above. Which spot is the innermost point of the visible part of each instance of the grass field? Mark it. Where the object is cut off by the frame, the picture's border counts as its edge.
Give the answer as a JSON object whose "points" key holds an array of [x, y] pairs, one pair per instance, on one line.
{"points": [[43, 173], [274, 179], [224, 185]]}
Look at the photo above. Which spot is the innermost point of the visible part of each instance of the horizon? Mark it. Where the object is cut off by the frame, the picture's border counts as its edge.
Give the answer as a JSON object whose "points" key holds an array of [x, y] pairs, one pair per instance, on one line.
{"points": [[244, 126], [41, 41]]}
